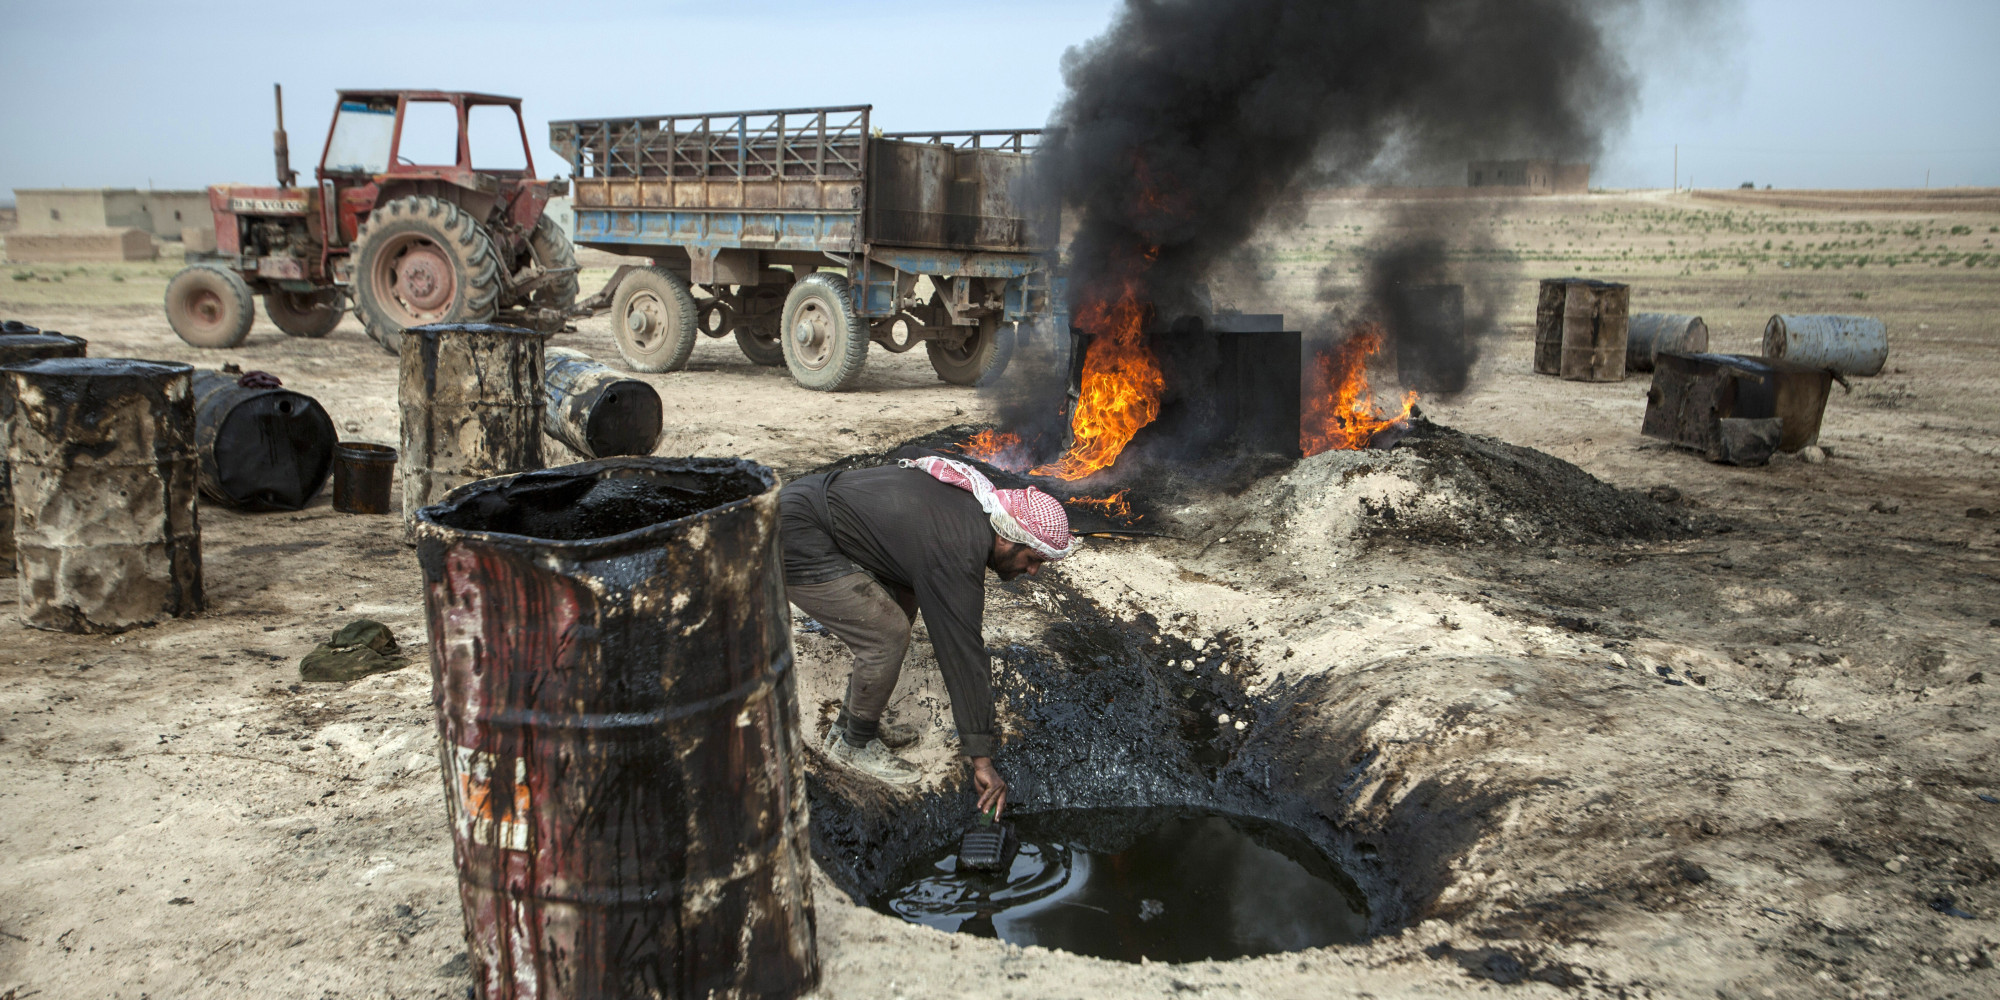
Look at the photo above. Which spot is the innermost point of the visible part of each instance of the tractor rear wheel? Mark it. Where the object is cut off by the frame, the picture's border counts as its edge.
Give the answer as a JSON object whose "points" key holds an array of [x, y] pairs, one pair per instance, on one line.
{"points": [[421, 260], [978, 360], [552, 250], [305, 314], [209, 306], [653, 319]]}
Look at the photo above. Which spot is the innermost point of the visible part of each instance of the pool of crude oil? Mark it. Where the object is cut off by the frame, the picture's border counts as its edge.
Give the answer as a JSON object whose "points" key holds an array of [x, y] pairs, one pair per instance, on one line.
{"points": [[1168, 885]]}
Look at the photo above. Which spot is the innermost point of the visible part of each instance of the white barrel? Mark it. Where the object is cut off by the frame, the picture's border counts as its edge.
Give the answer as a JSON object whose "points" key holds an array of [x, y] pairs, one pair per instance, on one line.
{"points": [[1647, 334], [1845, 345]]}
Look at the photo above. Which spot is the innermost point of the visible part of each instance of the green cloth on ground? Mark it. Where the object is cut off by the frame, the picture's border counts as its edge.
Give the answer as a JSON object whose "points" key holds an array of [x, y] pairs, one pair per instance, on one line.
{"points": [[360, 648]]}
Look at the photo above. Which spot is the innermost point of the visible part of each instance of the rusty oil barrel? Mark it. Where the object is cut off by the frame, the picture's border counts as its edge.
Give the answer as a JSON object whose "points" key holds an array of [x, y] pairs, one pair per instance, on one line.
{"points": [[1595, 320], [1548, 325], [103, 460], [471, 401], [20, 342], [1844, 345], [261, 447], [1647, 334], [612, 671], [596, 411], [362, 474]]}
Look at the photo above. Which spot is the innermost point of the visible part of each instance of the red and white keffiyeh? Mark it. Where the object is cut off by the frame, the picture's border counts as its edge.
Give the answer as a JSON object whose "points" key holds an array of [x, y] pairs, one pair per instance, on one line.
{"points": [[1026, 517]]}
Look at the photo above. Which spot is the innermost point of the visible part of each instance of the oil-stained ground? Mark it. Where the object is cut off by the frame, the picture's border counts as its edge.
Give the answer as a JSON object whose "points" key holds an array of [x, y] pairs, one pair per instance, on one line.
{"points": [[1742, 749]]}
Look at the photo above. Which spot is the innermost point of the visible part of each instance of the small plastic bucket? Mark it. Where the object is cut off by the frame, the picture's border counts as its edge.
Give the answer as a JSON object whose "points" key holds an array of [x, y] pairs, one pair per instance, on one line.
{"points": [[361, 476]]}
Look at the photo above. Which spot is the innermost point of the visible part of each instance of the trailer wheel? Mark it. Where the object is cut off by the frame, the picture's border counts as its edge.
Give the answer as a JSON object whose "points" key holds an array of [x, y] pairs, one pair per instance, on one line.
{"points": [[653, 318], [757, 324], [826, 344], [977, 361], [421, 260], [305, 314], [210, 306]]}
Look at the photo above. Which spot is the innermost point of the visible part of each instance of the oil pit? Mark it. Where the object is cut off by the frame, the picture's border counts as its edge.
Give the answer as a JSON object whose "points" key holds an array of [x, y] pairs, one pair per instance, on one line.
{"points": [[1167, 885]]}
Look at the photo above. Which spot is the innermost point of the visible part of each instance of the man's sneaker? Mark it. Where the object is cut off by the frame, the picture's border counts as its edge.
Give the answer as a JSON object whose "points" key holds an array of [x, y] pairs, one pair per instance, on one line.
{"points": [[874, 760], [894, 735]]}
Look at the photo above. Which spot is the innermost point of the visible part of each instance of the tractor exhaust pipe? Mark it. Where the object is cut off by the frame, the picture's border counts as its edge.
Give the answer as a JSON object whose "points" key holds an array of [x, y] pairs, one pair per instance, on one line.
{"points": [[281, 148]]}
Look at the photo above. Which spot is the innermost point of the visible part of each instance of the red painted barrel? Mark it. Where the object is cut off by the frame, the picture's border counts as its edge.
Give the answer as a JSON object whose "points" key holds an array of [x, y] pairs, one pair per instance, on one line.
{"points": [[611, 666]]}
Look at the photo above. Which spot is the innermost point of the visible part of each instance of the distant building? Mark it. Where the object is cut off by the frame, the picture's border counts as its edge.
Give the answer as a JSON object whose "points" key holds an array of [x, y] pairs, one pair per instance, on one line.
{"points": [[1529, 176], [70, 210]]}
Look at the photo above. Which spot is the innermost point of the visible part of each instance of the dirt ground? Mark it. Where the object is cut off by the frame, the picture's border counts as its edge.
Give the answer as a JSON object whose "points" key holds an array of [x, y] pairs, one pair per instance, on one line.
{"points": [[1752, 762]]}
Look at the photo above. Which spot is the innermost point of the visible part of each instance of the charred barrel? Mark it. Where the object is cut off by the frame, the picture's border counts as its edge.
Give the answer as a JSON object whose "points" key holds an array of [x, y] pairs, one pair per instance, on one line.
{"points": [[20, 342], [619, 732], [103, 461], [471, 399], [1845, 345], [596, 411], [1648, 334], [362, 473], [1427, 325], [261, 447]]}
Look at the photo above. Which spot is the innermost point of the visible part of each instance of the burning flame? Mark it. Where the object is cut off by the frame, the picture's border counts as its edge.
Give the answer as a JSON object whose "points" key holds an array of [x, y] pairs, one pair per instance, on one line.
{"points": [[1114, 505], [1340, 411], [1121, 381], [999, 449]]}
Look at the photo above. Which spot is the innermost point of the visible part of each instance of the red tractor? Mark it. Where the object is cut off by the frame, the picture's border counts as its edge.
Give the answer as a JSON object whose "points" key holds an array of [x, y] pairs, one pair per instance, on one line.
{"points": [[426, 210]]}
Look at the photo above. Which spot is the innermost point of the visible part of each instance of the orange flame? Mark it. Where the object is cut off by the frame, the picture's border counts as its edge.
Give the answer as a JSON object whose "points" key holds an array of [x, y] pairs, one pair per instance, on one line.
{"points": [[1114, 505], [999, 449], [1340, 411], [1121, 381]]}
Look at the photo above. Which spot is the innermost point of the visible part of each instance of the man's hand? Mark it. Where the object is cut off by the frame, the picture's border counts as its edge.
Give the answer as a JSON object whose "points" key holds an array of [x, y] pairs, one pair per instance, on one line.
{"points": [[992, 787]]}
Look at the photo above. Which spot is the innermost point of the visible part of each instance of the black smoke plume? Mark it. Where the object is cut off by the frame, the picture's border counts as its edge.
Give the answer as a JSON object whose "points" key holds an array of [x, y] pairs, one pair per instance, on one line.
{"points": [[1191, 124]]}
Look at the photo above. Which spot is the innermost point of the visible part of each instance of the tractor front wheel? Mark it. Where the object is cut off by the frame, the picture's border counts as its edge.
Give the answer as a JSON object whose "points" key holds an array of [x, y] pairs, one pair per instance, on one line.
{"points": [[421, 260], [305, 314], [209, 306]]}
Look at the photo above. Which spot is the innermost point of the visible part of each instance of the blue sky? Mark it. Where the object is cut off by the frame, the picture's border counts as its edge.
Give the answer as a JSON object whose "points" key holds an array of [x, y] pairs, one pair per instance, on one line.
{"points": [[1836, 93]]}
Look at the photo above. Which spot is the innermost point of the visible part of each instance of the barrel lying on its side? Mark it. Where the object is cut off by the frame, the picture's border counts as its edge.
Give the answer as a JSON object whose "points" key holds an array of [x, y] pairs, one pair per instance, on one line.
{"points": [[597, 411], [1648, 334], [619, 732], [1844, 345], [261, 448]]}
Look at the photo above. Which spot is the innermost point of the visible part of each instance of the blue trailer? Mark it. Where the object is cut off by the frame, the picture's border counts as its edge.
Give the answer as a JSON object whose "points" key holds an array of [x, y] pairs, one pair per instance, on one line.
{"points": [[808, 235]]}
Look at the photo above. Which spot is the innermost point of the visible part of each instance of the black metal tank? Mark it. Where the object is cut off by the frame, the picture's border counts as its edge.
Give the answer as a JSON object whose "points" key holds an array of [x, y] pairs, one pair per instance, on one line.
{"points": [[262, 448]]}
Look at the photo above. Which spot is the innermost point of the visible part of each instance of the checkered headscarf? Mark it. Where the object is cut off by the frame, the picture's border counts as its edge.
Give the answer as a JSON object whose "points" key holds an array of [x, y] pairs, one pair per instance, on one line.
{"points": [[1026, 517]]}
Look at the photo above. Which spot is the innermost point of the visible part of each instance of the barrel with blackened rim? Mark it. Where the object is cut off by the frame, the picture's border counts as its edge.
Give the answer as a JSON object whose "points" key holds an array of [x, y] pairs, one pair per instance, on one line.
{"points": [[261, 447], [595, 410], [611, 666], [471, 402], [103, 467], [20, 342]]}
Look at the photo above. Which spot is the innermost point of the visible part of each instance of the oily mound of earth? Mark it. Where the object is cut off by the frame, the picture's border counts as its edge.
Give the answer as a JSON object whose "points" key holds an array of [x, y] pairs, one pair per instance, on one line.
{"points": [[1436, 485]]}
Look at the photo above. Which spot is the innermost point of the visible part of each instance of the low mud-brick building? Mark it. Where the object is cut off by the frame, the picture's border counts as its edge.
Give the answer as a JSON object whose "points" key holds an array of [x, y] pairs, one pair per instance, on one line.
{"points": [[1529, 176]]}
